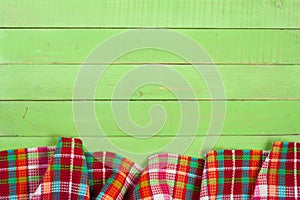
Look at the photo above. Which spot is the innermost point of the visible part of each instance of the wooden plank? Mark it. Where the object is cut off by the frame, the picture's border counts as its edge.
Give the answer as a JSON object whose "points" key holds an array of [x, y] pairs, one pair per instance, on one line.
{"points": [[31, 118], [127, 146], [151, 13], [48, 82], [224, 46]]}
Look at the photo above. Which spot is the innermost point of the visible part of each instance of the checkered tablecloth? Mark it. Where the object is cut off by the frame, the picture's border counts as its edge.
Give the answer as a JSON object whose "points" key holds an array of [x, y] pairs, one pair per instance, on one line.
{"points": [[67, 172]]}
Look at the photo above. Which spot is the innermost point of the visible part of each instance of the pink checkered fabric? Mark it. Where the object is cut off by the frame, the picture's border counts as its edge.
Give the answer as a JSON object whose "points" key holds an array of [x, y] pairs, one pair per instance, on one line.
{"points": [[170, 176], [231, 174], [279, 177], [65, 172], [68, 172]]}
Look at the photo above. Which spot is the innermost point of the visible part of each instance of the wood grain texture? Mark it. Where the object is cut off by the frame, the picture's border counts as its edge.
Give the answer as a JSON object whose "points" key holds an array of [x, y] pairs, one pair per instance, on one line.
{"points": [[48, 82], [128, 146], [223, 46], [32, 118], [151, 13], [256, 44]]}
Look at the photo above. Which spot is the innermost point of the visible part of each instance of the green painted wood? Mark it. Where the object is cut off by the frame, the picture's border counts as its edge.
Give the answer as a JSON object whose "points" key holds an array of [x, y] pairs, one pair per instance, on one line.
{"points": [[48, 82], [151, 13], [224, 46], [255, 43], [152, 145], [31, 118]]}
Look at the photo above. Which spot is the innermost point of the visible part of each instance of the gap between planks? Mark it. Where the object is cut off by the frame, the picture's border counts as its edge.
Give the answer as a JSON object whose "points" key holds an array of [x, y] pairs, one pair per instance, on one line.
{"points": [[133, 27], [182, 64], [141, 100], [160, 136]]}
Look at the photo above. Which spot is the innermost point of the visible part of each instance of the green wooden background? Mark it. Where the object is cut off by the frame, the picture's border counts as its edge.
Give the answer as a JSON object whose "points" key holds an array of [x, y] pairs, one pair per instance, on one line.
{"points": [[255, 44]]}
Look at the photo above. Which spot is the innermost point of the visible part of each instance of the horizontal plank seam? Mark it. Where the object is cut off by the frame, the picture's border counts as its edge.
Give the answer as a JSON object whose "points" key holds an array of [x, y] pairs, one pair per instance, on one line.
{"points": [[183, 64], [149, 100], [161, 136], [153, 27]]}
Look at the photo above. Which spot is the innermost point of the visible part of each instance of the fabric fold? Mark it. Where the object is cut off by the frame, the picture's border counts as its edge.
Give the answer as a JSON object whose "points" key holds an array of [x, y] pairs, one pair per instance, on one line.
{"points": [[279, 177], [170, 176], [111, 176], [22, 170], [231, 174], [67, 175], [67, 172]]}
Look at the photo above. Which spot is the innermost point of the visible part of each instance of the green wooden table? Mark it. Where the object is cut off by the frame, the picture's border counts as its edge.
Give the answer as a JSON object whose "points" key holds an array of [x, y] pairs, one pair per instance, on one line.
{"points": [[255, 45]]}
